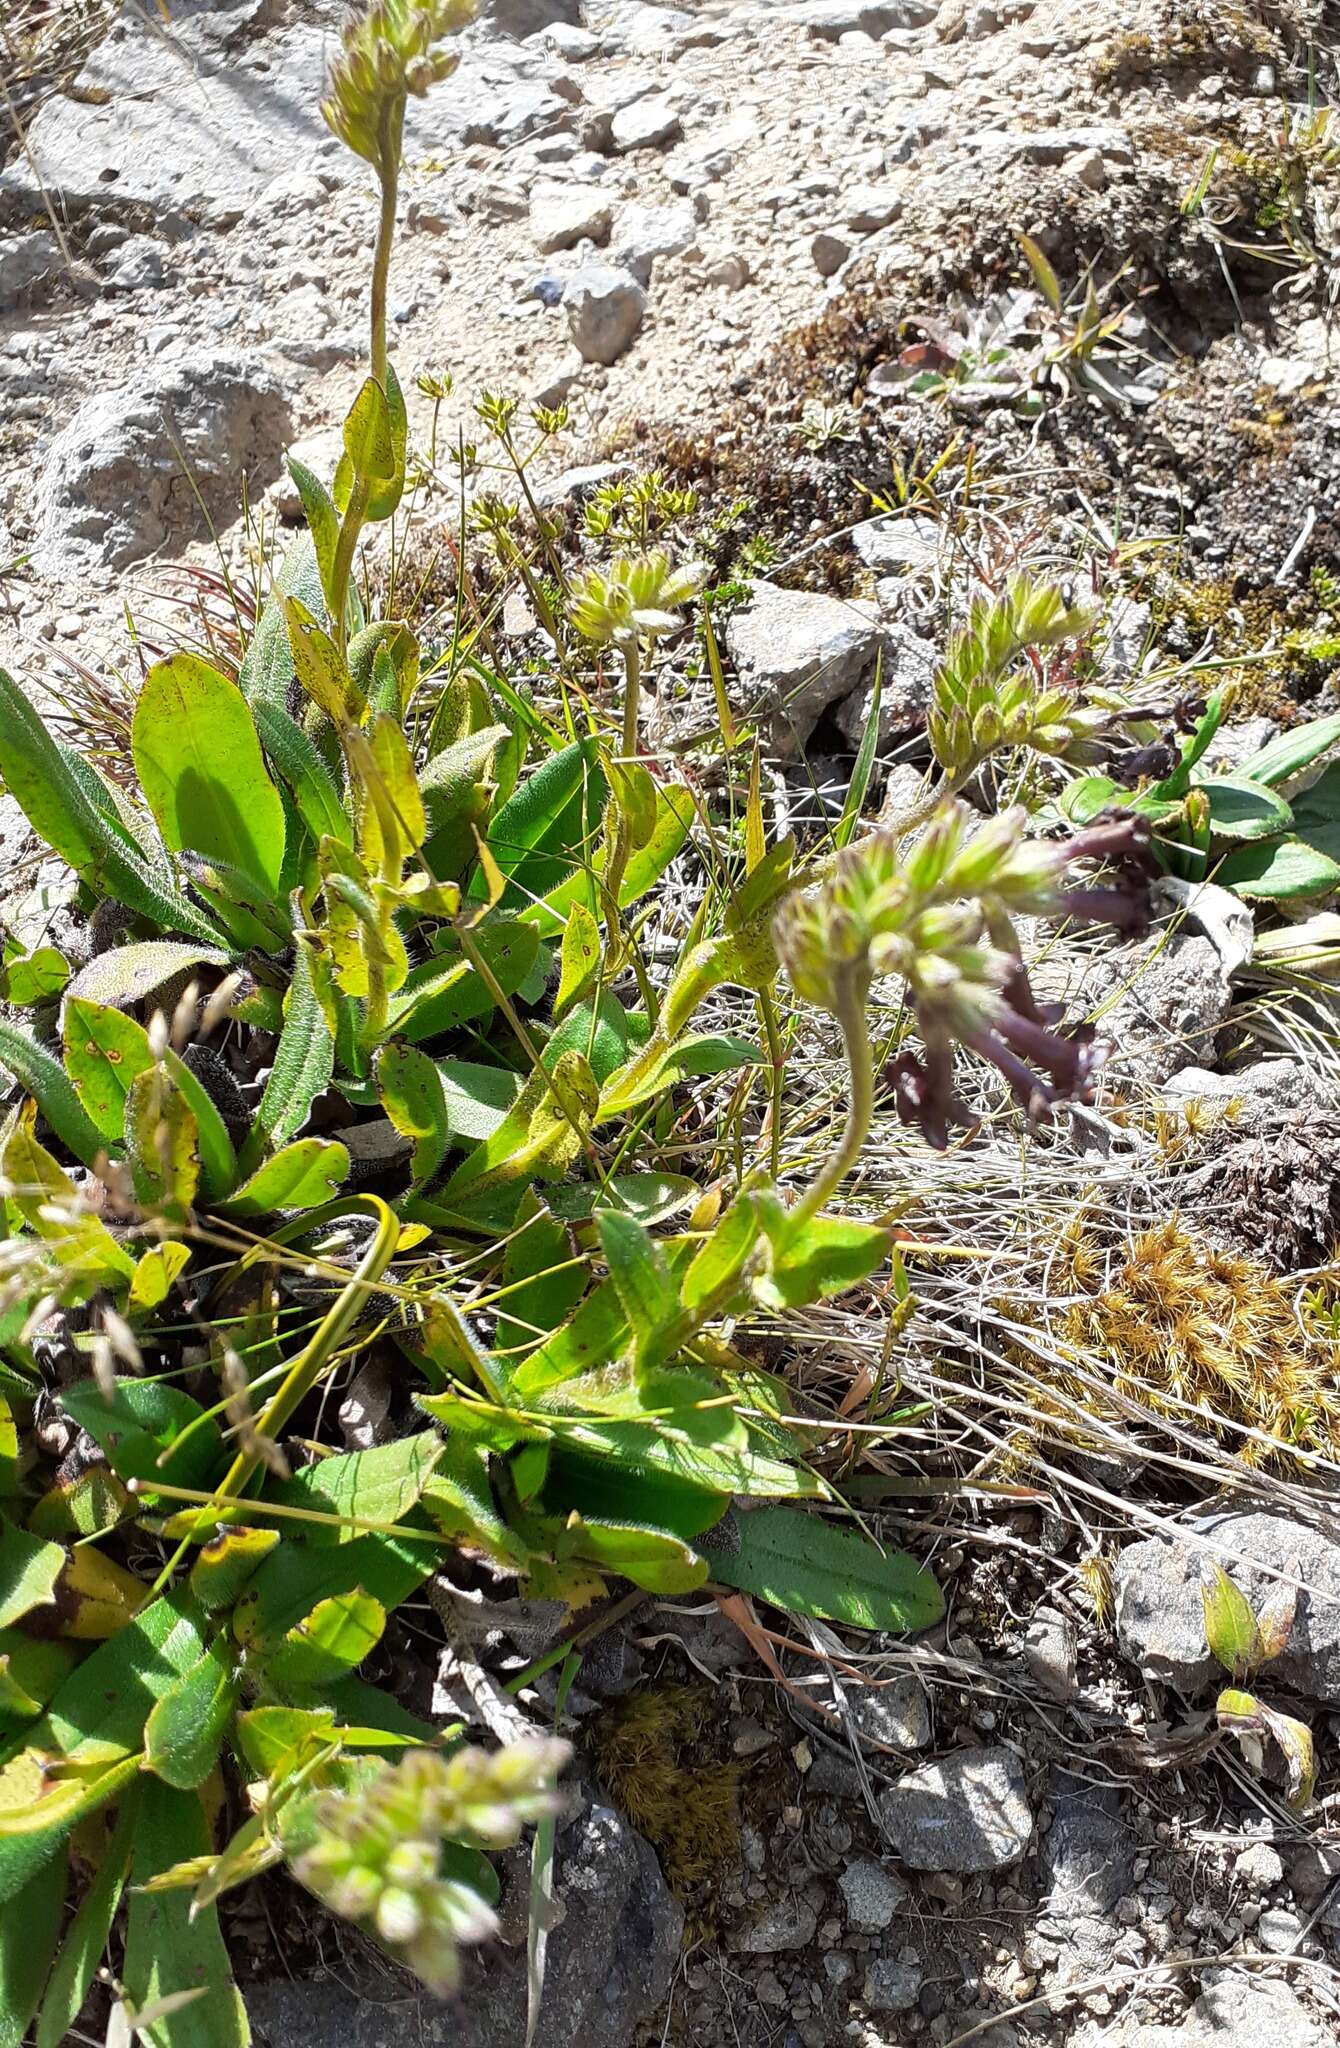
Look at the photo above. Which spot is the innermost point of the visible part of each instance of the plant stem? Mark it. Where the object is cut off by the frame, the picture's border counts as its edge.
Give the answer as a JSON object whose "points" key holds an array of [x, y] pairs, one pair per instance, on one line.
{"points": [[767, 1010], [355, 512], [851, 1016], [388, 174]]}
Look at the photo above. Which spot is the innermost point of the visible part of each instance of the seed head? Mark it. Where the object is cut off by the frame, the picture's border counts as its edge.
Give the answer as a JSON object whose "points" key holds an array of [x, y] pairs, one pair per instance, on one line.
{"points": [[389, 52]]}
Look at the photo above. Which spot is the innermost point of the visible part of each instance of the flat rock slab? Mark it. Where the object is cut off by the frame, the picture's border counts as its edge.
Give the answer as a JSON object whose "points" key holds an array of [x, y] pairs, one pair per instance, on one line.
{"points": [[1236, 2011], [194, 120], [968, 1813], [1161, 1621]]}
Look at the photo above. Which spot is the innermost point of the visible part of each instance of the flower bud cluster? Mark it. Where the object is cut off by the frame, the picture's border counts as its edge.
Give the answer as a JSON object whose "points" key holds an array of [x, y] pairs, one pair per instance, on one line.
{"points": [[939, 915], [986, 695], [387, 53], [376, 1857], [633, 600]]}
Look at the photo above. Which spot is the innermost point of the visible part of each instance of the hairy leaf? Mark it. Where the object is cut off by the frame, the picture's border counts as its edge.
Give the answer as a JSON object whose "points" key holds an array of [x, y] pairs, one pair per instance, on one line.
{"points": [[808, 1566], [200, 766]]}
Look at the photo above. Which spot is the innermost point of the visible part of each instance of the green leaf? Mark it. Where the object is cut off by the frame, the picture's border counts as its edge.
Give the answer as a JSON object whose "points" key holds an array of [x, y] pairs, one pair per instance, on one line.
{"points": [[44, 1078], [477, 1098], [654, 1559], [298, 1577], [200, 766], [1283, 871], [323, 523], [1081, 801], [131, 974], [579, 956], [303, 1064], [675, 814], [29, 1570], [162, 1145], [1292, 751], [32, 1668], [412, 1095], [184, 1731], [864, 766], [545, 833], [227, 1562], [826, 1256], [86, 1941], [385, 497], [56, 803], [380, 1485], [27, 979], [28, 1941], [170, 1946], [457, 789], [98, 1715], [138, 1428], [443, 993], [334, 1638], [1240, 809], [369, 441], [267, 666], [322, 669], [719, 1265], [640, 1446], [297, 761], [89, 1254], [693, 1058], [604, 1490], [805, 1565], [542, 1280], [302, 1175], [642, 1280], [105, 1051], [155, 1273], [1230, 1624]]}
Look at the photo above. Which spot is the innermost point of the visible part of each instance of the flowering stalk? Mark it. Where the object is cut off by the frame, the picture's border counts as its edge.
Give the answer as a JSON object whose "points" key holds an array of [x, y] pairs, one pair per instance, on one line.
{"points": [[387, 53], [940, 916]]}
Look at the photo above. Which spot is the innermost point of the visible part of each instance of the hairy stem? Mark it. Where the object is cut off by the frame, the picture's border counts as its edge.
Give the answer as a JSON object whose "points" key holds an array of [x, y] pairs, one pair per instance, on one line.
{"points": [[854, 1024], [355, 512]]}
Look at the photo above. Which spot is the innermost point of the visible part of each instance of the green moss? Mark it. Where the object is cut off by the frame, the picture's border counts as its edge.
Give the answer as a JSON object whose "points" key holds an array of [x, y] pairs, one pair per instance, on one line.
{"points": [[657, 1755]]}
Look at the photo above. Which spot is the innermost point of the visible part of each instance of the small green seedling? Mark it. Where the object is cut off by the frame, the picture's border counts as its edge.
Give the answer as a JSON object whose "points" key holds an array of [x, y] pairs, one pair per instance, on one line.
{"points": [[1244, 1640]]}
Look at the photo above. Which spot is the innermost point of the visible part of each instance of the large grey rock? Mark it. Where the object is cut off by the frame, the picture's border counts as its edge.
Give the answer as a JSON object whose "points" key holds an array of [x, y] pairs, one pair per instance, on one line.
{"points": [[1239, 2010], [800, 651], [609, 1963], [968, 1813], [650, 122], [197, 123], [1161, 1620], [120, 481], [1087, 1857], [1160, 1000], [522, 18], [788, 1923], [906, 671], [891, 1985], [896, 1715], [605, 309], [1265, 1092], [644, 234], [26, 261], [872, 1895], [829, 20], [561, 215], [898, 547]]}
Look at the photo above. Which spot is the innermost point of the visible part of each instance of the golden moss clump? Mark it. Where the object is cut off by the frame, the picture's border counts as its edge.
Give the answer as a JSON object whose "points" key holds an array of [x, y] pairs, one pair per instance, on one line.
{"points": [[1185, 1326], [1283, 640], [654, 1753]]}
